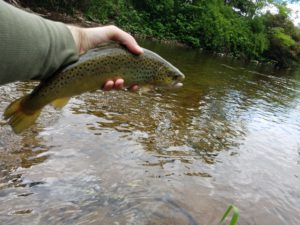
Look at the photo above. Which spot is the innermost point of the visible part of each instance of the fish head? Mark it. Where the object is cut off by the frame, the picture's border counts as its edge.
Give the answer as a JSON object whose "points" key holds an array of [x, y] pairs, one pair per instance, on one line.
{"points": [[168, 76]]}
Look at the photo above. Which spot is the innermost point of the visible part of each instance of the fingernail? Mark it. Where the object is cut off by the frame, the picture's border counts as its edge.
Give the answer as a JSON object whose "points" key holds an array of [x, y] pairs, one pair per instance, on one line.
{"points": [[140, 50]]}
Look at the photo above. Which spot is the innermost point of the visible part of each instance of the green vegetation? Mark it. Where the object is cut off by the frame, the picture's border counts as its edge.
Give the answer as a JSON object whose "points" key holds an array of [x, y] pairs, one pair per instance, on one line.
{"points": [[235, 215], [235, 27]]}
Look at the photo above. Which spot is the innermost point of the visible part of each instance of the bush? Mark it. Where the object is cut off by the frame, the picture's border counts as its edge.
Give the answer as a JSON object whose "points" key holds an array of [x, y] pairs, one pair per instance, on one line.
{"points": [[216, 25]]}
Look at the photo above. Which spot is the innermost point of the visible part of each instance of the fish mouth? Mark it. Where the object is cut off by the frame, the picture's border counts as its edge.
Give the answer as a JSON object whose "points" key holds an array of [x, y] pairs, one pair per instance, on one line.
{"points": [[178, 85], [178, 82]]}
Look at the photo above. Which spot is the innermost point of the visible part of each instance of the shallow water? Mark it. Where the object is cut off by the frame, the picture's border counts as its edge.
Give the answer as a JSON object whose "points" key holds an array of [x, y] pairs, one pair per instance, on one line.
{"points": [[231, 135]]}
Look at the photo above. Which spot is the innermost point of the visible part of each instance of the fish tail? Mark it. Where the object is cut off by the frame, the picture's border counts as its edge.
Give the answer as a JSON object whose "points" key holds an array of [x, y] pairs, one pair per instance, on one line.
{"points": [[18, 117]]}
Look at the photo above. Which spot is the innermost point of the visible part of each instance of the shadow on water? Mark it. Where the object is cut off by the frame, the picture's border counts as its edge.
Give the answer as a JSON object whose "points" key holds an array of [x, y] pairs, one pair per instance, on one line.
{"points": [[229, 136], [86, 213]]}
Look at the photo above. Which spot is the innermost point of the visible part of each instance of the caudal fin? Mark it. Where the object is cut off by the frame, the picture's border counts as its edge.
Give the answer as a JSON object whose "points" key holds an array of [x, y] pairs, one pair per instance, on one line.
{"points": [[18, 119]]}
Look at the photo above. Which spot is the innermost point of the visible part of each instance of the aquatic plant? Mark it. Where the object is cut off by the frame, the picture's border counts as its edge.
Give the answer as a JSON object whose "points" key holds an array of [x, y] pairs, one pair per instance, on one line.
{"points": [[234, 218]]}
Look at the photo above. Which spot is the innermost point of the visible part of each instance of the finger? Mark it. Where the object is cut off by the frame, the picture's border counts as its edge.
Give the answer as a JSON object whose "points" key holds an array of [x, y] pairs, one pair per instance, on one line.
{"points": [[126, 39], [108, 85], [134, 88], [119, 83], [131, 44]]}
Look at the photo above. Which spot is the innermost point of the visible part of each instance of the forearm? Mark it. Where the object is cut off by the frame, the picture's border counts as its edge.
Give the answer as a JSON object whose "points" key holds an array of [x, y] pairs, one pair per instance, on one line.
{"points": [[32, 47]]}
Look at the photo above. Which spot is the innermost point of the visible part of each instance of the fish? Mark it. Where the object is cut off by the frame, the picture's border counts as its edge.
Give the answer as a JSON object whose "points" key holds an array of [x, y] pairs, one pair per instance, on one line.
{"points": [[89, 74]]}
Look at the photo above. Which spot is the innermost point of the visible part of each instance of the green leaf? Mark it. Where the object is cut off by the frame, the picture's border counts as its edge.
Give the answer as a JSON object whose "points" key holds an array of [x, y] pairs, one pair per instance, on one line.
{"points": [[235, 215]]}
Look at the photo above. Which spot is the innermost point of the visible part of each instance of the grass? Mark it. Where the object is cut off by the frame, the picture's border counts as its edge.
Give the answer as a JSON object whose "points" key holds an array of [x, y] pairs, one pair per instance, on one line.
{"points": [[234, 218]]}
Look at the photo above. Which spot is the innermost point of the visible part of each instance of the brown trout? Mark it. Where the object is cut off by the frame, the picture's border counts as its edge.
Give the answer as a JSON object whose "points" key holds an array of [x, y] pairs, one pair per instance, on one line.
{"points": [[90, 73]]}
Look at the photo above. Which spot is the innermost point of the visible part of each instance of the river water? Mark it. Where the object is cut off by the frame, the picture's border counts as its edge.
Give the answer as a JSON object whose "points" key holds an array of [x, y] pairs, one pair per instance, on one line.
{"points": [[231, 135]]}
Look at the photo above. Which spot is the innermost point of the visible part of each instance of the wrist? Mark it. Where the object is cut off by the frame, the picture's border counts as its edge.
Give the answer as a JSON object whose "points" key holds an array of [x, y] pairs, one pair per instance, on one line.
{"points": [[79, 38]]}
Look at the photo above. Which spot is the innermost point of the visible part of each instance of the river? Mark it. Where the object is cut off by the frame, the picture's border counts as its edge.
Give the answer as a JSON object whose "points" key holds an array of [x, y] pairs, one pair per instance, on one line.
{"points": [[230, 135]]}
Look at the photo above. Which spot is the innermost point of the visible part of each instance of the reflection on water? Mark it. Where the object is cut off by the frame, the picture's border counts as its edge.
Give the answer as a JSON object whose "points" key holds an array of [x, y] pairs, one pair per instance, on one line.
{"points": [[230, 136]]}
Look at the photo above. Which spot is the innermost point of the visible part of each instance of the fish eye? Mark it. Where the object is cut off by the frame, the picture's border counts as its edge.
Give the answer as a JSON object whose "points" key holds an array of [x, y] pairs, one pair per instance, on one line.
{"points": [[175, 77]]}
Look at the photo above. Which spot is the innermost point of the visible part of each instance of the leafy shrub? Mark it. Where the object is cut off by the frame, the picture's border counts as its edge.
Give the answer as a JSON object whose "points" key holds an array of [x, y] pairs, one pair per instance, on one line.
{"points": [[230, 26]]}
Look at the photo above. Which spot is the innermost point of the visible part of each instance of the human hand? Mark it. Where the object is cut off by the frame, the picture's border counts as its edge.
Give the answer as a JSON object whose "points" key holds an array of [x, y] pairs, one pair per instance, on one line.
{"points": [[118, 85], [87, 38]]}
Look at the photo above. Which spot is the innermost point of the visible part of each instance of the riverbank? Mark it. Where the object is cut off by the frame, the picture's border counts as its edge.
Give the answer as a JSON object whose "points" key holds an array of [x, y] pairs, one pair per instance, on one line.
{"points": [[212, 26]]}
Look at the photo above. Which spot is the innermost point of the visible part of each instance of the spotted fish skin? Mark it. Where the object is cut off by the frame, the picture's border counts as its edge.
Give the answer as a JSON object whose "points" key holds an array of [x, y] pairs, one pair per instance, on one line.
{"points": [[90, 73], [98, 65]]}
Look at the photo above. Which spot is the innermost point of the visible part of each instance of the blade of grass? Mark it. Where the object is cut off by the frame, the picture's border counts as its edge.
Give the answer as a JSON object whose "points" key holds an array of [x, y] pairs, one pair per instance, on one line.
{"points": [[235, 215]]}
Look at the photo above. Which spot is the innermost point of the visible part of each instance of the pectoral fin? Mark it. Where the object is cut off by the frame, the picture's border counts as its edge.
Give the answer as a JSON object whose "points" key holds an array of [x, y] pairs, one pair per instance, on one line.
{"points": [[60, 102]]}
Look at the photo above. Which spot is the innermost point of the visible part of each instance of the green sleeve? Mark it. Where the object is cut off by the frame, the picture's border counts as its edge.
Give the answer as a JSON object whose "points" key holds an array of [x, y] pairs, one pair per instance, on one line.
{"points": [[32, 47]]}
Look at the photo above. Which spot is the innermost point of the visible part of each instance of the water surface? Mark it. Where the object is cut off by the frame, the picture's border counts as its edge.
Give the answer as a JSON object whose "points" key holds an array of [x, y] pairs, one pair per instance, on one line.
{"points": [[231, 135]]}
